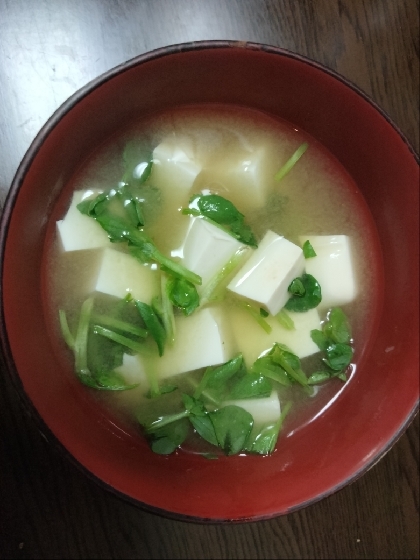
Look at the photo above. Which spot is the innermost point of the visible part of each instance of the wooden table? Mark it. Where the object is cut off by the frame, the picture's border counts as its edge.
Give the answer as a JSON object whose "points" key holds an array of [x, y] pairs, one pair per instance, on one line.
{"points": [[50, 48]]}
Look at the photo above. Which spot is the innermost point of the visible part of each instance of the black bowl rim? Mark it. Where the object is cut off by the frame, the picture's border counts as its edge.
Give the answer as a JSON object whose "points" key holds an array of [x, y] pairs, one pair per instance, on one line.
{"points": [[6, 354]]}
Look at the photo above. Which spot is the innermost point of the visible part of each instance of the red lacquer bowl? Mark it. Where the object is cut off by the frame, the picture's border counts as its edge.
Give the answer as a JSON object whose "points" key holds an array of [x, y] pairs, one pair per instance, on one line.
{"points": [[367, 417]]}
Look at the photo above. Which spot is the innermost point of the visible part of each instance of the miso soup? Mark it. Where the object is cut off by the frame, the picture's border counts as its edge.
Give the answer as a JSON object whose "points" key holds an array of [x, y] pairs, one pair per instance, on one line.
{"points": [[208, 279]]}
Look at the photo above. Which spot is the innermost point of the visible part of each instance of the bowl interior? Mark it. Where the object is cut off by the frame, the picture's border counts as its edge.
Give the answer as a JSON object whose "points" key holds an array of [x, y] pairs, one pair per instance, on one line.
{"points": [[373, 410]]}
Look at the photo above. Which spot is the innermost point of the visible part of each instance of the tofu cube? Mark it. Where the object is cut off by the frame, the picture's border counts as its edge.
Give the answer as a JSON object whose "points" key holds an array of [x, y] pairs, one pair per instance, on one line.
{"points": [[269, 271], [174, 168], [77, 231], [246, 177], [202, 340], [132, 371], [253, 341], [119, 274], [207, 248], [333, 268], [265, 410]]}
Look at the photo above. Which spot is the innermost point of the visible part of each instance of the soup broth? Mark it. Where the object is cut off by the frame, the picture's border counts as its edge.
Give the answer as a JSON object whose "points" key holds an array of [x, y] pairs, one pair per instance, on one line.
{"points": [[169, 381]]}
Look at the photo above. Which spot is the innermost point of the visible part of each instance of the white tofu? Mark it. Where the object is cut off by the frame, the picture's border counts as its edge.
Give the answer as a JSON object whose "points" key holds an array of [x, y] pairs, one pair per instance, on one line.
{"points": [[253, 341], [119, 274], [265, 410], [247, 177], [202, 339], [77, 231], [174, 168], [333, 268], [207, 248], [269, 271], [132, 371]]}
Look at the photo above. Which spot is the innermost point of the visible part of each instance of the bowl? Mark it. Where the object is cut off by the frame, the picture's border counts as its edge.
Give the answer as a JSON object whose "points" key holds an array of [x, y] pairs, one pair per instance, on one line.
{"points": [[376, 407]]}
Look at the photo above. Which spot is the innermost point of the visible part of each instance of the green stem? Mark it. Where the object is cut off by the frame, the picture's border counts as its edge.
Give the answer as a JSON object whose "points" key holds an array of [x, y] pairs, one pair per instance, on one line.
{"points": [[285, 320], [297, 375], [278, 377], [217, 283], [176, 268], [65, 329], [80, 343], [168, 317], [204, 393], [165, 420], [255, 313], [284, 170], [284, 413], [119, 338], [108, 321]]}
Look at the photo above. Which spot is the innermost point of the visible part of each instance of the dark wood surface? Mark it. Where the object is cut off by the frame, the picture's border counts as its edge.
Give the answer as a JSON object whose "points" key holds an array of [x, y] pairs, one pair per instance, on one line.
{"points": [[50, 48]]}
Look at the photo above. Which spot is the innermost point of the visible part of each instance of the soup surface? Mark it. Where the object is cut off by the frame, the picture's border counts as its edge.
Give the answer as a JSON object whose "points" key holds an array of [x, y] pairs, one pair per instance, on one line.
{"points": [[225, 359]]}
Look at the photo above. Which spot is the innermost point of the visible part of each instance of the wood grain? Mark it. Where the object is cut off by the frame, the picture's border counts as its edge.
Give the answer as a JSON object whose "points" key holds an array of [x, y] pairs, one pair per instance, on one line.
{"points": [[50, 48]]}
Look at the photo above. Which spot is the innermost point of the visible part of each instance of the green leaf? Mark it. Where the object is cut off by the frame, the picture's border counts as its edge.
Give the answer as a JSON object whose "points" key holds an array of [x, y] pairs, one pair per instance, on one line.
{"points": [[104, 354], [106, 381], [210, 456], [190, 212], [263, 312], [232, 426], [251, 385], [87, 379], [243, 233], [319, 377], [166, 439], [158, 307], [265, 441], [311, 298], [337, 328], [138, 163], [117, 228], [183, 294], [95, 206], [154, 326], [142, 172], [297, 288], [112, 381], [204, 427], [282, 356], [84, 207], [215, 378], [290, 163], [193, 405], [308, 250], [265, 366], [338, 356], [163, 390], [132, 207], [149, 200], [219, 210], [320, 339]]}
